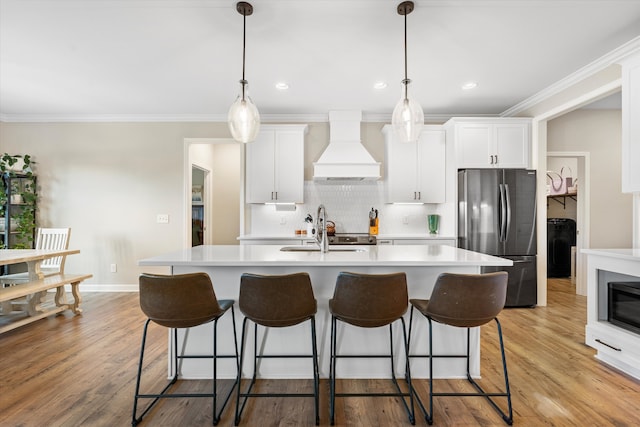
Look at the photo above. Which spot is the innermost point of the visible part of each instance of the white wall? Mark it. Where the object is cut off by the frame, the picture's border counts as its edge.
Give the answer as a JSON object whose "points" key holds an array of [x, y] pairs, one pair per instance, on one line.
{"points": [[599, 133], [108, 181]]}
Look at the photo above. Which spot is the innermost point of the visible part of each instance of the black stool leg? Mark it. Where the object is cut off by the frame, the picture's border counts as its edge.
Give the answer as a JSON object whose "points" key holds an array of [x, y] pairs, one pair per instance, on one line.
{"points": [[215, 372], [316, 374], [429, 415], [509, 418], [332, 372], [412, 416], [239, 380], [135, 420], [410, 412], [217, 415]]}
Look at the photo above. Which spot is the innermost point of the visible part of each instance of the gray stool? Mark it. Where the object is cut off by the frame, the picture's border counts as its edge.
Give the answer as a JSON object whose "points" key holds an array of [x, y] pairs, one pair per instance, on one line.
{"points": [[276, 302], [370, 301], [465, 301], [182, 301]]}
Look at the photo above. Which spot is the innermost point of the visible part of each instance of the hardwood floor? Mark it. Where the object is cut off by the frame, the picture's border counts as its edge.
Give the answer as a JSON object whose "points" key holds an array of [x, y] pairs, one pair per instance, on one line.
{"points": [[80, 371]]}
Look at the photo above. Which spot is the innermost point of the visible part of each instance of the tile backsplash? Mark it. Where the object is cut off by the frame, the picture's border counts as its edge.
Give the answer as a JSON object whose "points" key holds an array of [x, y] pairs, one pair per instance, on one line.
{"points": [[348, 205]]}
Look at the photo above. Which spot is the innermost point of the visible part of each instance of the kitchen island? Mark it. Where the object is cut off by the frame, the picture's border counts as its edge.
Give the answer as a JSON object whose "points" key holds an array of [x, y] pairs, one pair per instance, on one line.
{"points": [[421, 263]]}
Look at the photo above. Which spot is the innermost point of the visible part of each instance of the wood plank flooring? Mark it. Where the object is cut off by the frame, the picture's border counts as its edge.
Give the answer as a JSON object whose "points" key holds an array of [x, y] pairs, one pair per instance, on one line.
{"points": [[80, 371]]}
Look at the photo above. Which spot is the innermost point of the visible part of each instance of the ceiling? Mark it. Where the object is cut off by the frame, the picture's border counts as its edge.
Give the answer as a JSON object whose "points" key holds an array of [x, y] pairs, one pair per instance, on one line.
{"points": [[182, 59]]}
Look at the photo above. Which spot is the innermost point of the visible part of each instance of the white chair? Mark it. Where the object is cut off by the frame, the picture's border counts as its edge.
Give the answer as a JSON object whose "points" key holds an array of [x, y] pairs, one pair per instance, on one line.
{"points": [[53, 238]]}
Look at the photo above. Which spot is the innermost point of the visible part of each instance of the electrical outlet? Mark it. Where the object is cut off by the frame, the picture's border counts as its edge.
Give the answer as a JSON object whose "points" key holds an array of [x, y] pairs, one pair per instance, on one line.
{"points": [[283, 220], [405, 219], [162, 218], [113, 268]]}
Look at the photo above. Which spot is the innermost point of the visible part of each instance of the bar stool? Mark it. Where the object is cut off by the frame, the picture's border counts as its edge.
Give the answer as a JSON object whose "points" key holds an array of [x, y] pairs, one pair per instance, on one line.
{"points": [[370, 301], [465, 301], [176, 302], [277, 301]]}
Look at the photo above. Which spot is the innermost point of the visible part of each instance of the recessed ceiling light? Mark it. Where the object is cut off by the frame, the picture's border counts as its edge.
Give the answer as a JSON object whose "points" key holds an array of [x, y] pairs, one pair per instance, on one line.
{"points": [[380, 85], [282, 86], [469, 85]]}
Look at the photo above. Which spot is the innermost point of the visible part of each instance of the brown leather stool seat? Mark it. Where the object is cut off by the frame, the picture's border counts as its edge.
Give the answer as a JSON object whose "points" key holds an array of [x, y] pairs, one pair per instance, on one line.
{"points": [[176, 302], [370, 301], [277, 301], [465, 301]]}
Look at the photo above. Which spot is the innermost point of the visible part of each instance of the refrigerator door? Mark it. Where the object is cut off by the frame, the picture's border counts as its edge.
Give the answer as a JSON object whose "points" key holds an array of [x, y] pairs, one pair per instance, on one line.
{"points": [[522, 286], [520, 229], [479, 215]]}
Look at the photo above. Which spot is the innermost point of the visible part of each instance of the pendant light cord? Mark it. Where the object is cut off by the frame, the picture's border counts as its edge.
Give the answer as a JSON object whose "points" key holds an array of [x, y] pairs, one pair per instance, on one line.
{"points": [[405, 47], [244, 44], [406, 78]]}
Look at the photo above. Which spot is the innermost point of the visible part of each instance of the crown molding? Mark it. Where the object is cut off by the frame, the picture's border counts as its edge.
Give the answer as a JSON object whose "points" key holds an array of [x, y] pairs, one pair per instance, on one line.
{"points": [[613, 57], [207, 118]]}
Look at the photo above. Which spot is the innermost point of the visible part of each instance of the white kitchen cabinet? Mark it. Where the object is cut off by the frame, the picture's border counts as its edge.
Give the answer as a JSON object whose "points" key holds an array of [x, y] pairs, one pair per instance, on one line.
{"points": [[490, 143], [275, 165], [415, 172], [631, 124]]}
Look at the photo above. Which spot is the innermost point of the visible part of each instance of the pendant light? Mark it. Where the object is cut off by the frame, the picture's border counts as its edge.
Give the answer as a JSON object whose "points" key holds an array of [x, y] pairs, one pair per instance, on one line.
{"points": [[408, 118], [244, 119]]}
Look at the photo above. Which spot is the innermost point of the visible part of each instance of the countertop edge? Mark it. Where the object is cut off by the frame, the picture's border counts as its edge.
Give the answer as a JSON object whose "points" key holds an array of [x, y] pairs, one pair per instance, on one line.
{"points": [[627, 254]]}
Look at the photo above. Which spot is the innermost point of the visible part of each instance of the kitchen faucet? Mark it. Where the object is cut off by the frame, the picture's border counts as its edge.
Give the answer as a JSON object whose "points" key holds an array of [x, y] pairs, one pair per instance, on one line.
{"points": [[321, 229]]}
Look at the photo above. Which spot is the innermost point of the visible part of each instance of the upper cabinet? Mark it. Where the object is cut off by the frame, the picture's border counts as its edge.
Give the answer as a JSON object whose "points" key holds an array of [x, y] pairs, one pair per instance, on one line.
{"points": [[631, 124], [275, 165], [415, 172], [490, 143]]}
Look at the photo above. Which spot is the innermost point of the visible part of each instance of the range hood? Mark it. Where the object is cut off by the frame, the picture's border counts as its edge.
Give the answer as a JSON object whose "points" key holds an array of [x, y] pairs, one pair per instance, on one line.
{"points": [[345, 158]]}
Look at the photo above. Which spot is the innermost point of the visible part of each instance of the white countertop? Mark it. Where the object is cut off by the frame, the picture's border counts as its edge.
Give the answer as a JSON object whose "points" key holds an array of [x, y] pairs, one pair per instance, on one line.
{"points": [[270, 255], [628, 254]]}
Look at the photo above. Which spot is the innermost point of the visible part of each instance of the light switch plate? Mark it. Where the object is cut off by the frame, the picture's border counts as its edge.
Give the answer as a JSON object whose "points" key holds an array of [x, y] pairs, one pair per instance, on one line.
{"points": [[162, 218]]}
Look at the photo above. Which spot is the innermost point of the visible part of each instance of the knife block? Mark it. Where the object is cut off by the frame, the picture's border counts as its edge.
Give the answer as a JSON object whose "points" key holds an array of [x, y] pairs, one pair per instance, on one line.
{"points": [[373, 229]]}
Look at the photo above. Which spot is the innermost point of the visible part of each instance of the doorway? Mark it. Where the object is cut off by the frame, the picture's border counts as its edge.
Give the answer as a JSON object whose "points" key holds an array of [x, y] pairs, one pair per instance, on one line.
{"points": [[221, 162], [572, 205], [199, 199]]}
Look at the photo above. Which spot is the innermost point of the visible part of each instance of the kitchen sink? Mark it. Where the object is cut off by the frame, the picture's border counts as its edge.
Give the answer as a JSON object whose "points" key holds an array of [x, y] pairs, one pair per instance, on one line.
{"points": [[309, 248]]}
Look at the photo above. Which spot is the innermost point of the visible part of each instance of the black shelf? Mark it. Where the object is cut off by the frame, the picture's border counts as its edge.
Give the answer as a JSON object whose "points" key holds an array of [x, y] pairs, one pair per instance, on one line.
{"points": [[10, 182], [562, 198]]}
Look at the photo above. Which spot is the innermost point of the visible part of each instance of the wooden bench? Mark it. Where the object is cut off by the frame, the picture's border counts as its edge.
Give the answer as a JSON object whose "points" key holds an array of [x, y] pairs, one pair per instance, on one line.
{"points": [[35, 292]]}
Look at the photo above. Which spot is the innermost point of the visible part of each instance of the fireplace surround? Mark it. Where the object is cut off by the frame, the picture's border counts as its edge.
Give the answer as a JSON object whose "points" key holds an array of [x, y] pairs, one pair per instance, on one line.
{"points": [[613, 323]]}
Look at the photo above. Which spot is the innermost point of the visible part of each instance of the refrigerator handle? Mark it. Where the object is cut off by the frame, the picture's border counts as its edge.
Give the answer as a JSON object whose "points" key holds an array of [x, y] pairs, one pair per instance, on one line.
{"points": [[508, 223], [503, 214]]}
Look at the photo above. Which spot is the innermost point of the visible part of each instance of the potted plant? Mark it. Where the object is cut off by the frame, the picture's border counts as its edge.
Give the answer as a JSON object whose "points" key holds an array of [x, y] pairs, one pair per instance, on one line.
{"points": [[17, 172], [16, 164]]}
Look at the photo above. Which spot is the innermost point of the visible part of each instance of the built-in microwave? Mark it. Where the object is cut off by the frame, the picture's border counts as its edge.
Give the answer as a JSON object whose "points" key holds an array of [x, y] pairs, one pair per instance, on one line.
{"points": [[624, 305]]}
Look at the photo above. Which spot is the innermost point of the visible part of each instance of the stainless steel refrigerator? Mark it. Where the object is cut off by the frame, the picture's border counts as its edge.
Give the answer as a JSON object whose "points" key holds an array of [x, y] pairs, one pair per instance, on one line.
{"points": [[497, 216]]}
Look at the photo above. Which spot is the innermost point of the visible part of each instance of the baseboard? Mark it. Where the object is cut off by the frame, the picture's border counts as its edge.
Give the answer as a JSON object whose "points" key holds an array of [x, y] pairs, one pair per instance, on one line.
{"points": [[104, 288]]}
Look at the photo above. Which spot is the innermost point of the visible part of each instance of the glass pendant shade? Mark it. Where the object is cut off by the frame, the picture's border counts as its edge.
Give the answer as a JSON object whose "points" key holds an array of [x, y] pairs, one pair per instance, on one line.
{"points": [[244, 118], [407, 118]]}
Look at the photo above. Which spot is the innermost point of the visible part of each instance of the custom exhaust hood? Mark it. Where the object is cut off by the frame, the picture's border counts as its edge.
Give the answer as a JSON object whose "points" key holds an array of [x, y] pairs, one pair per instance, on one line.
{"points": [[345, 158]]}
